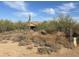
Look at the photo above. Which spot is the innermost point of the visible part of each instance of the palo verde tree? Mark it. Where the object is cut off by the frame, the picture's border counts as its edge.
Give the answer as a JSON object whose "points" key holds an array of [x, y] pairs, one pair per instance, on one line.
{"points": [[65, 22], [60, 23]]}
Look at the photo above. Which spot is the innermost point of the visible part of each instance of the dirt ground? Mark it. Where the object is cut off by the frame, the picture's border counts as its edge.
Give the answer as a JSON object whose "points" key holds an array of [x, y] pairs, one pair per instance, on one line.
{"points": [[12, 49]]}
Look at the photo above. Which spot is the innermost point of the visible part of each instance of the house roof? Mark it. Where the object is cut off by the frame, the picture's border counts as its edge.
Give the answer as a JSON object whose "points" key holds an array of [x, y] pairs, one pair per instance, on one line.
{"points": [[33, 24]]}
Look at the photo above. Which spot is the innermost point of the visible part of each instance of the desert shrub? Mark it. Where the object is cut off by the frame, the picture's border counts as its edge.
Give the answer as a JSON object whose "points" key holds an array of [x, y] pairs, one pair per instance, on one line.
{"points": [[47, 50], [6, 25], [61, 23], [66, 23], [39, 42], [43, 25], [44, 50], [21, 37], [16, 37], [43, 32], [20, 25], [24, 41], [63, 41]]}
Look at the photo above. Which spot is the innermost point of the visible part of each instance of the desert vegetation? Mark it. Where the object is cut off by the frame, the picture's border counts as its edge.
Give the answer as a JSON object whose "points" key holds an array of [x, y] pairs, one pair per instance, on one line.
{"points": [[48, 38]]}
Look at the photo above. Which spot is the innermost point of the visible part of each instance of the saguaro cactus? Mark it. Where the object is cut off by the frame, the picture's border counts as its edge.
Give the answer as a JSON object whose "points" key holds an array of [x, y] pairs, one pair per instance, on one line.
{"points": [[29, 20]]}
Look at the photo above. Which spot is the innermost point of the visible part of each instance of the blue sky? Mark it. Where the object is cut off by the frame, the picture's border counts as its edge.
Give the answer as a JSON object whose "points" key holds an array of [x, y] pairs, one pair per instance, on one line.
{"points": [[39, 10]]}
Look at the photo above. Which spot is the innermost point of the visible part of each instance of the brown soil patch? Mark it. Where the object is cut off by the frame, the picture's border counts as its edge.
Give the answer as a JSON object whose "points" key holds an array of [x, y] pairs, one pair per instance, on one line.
{"points": [[12, 49]]}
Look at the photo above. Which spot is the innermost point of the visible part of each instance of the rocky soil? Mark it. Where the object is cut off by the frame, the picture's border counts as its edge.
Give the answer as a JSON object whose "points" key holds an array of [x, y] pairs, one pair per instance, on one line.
{"points": [[39, 43]]}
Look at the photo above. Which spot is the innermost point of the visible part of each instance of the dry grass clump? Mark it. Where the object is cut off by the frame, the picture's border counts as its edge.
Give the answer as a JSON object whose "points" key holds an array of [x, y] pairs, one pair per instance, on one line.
{"points": [[44, 50], [38, 39], [54, 41], [45, 43]]}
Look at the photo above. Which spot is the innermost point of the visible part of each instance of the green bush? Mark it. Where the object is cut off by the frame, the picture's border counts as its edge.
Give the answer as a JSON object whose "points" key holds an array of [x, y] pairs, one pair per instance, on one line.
{"points": [[61, 23], [6, 25]]}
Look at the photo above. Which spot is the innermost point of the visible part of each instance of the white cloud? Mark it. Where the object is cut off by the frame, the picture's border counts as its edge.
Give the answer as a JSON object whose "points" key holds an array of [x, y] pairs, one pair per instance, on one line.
{"points": [[21, 7], [67, 7], [49, 10], [64, 12], [18, 5], [26, 14]]}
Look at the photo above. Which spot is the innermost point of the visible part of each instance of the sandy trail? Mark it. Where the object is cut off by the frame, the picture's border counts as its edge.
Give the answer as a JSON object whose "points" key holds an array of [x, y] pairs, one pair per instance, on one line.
{"points": [[12, 49]]}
